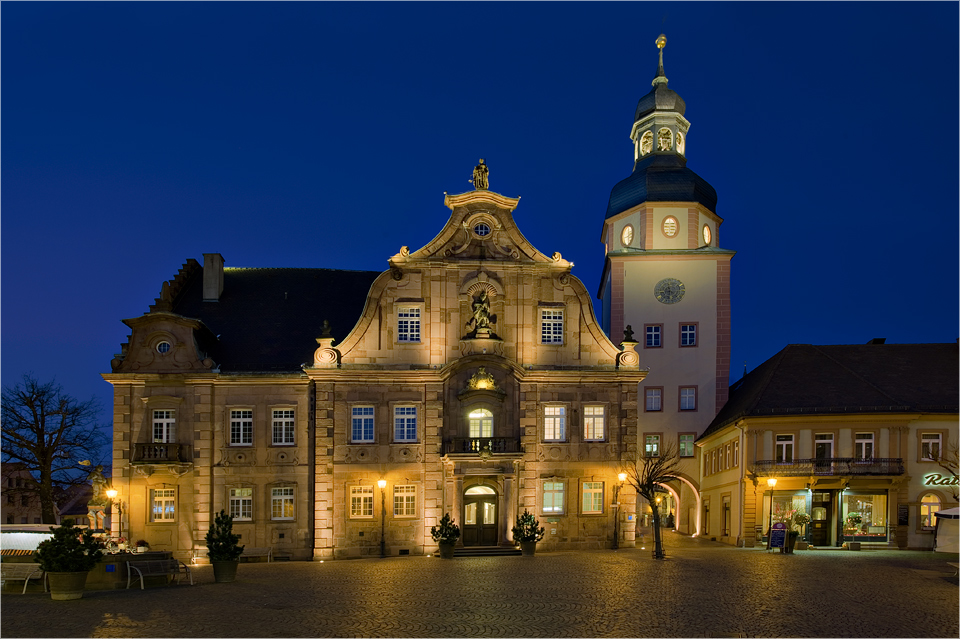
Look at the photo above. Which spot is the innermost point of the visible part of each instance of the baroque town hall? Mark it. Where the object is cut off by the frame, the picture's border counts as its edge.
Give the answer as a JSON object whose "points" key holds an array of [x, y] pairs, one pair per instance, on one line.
{"points": [[342, 413]]}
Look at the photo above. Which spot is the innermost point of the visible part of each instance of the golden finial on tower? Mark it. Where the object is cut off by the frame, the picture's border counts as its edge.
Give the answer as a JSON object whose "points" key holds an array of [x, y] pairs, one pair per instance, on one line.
{"points": [[661, 41], [661, 77]]}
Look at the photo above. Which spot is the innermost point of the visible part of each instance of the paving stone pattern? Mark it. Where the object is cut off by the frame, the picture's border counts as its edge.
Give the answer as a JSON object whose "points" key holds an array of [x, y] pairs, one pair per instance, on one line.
{"points": [[703, 589]]}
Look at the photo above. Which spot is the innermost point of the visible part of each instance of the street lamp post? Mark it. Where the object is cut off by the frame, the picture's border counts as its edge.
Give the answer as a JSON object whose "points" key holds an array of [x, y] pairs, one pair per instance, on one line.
{"points": [[616, 510], [116, 528], [771, 482], [382, 483]]}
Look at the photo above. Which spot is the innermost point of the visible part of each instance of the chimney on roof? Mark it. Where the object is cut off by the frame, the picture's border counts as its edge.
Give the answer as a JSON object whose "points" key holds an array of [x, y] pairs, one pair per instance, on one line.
{"points": [[878, 340], [212, 277]]}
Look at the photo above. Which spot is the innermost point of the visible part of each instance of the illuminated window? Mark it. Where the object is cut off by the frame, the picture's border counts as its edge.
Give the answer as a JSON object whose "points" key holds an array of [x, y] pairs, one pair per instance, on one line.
{"points": [[681, 143], [283, 427], [554, 423], [408, 324], [863, 446], [553, 497], [481, 423], [281, 503], [670, 226], [593, 423], [688, 398], [164, 504], [686, 444], [241, 504], [652, 446], [551, 326], [362, 424], [405, 501], [930, 446], [688, 335], [592, 497], [929, 505], [361, 502], [783, 451], [646, 142], [653, 334], [653, 399], [405, 424], [241, 428], [664, 139], [164, 426]]}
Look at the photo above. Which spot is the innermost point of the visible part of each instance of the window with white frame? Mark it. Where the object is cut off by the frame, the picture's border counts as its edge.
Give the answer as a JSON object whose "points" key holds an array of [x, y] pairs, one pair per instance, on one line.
{"points": [[405, 423], [653, 335], [281, 502], [553, 497], [481, 423], [688, 335], [593, 423], [554, 423], [930, 446], [688, 398], [686, 444], [551, 326], [241, 504], [863, 446], [929, 506], [592, 497], [654, 400], [361, 502], [652, 445], [783, 449], [284, 427], [164, 504], [164, 426], [241, 428], [361, 424], [408, 324], [404, 501]]}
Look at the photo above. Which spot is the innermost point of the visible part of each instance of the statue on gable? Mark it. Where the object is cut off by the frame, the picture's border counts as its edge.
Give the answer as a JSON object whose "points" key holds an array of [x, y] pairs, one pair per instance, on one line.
{"points": [[480, 173]]}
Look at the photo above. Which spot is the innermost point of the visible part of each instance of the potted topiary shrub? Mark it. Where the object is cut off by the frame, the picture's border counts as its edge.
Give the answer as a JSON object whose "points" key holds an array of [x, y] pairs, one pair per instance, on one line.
{"points": [[446, 534], [67, 558], [222, 548], [527, 533]]}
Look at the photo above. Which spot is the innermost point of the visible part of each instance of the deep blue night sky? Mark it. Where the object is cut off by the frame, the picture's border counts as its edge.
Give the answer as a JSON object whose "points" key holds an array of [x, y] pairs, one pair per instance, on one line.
{"points": [[137, 135]]}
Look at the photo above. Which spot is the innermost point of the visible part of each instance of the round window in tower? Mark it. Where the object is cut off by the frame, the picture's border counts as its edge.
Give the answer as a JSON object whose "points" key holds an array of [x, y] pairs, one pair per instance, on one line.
{"points": [[707, 236], [670, 226], [482, 229], [163, 347], [626, 236]]}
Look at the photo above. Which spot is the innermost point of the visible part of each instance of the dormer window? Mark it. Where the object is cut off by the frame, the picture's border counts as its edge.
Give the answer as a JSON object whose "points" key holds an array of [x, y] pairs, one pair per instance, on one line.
{"points": [[664, 140]]}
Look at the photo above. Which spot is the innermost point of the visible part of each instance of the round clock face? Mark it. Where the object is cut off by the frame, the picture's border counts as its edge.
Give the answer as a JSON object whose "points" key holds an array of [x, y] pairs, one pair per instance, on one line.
{"points": [[706, 235], [626, 236], [669, 291]]}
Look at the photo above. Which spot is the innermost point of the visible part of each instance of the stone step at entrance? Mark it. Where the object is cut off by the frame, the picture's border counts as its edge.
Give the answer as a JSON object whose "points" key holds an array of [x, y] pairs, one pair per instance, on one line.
{"points": [[486, 551]]}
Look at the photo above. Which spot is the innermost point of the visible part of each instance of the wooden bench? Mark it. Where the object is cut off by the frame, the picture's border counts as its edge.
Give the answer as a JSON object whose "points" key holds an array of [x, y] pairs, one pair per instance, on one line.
{"points": [[156, 568], [258, 552], [15, 572]]}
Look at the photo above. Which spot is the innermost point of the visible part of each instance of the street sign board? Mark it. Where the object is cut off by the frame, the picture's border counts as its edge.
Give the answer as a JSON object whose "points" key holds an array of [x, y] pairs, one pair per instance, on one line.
{"points": [[778, 535]]}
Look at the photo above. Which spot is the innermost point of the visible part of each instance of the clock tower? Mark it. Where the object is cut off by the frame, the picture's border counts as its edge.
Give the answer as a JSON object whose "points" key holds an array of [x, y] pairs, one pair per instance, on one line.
{"points": [[667, 279]]}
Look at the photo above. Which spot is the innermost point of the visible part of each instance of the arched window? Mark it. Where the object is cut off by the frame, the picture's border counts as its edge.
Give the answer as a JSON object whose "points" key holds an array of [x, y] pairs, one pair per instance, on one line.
{"points": [[929, 505], [481, 423], [664, 140], [646, 143], [480, 490]]}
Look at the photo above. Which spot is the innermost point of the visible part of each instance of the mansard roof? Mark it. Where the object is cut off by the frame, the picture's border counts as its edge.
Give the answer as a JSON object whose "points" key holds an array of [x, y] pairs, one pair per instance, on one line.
{"points": [[803, 379], [268, 319]]}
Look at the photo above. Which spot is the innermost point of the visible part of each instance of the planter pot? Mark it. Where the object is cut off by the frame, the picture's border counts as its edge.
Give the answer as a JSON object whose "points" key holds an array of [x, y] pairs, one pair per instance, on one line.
{"points": [[225, 571], [528, 548], [446, 551], [67, 585], [142, 548], [853, 545], [801, 545]]}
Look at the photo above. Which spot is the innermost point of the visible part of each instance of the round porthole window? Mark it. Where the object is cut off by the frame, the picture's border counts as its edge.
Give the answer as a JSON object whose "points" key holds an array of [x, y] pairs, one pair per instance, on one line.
{"points": [[670, 226], [481, 229], [163, 347]]}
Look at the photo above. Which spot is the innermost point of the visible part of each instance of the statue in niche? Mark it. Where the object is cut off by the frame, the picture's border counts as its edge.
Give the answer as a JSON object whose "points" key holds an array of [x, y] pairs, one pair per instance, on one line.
{"points": [[664, 140], [482, 318], [646, 143], [480, 173]]}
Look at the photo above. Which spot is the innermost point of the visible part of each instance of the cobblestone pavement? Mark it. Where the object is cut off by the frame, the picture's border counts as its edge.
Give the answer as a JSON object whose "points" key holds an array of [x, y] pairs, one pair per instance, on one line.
{"points": [[703, 589]]}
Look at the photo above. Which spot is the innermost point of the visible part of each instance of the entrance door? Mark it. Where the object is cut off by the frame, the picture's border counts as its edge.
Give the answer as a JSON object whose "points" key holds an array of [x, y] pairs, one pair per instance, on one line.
{"points": [[820, 519], [480, 516]]}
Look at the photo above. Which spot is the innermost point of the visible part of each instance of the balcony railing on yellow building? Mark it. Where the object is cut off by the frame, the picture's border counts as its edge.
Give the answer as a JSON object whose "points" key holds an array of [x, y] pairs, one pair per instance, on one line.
{"points": [[158, 454], [829, 466], [480, 445]]}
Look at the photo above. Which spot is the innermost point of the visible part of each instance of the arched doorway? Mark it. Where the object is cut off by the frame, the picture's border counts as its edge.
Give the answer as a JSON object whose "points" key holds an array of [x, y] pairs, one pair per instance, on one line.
{"points": [[480, 516]]}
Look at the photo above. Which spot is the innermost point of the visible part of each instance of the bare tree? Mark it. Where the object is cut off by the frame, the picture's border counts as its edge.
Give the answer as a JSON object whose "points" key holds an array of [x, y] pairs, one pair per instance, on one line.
{"points": [[648, 474], [948, 458], [49, 433]]}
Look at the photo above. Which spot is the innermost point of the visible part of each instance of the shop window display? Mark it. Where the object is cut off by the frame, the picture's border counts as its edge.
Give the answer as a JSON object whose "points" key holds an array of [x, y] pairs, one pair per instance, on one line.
{"points": [[864, 517]]}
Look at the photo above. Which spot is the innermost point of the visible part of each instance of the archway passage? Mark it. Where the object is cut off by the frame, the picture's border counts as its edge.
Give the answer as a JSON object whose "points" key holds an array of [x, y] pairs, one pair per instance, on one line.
{"points": [[480, 513]]}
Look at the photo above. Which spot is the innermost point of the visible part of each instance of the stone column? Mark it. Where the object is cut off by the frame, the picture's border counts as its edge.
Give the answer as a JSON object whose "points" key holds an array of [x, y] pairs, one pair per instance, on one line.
{"points": [[509, 510]]}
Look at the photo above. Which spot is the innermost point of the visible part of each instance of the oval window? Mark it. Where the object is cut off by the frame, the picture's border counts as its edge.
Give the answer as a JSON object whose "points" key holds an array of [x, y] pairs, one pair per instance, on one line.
{"points": [[706, 235], [670, 226], [163, 347], [481, 229]]}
